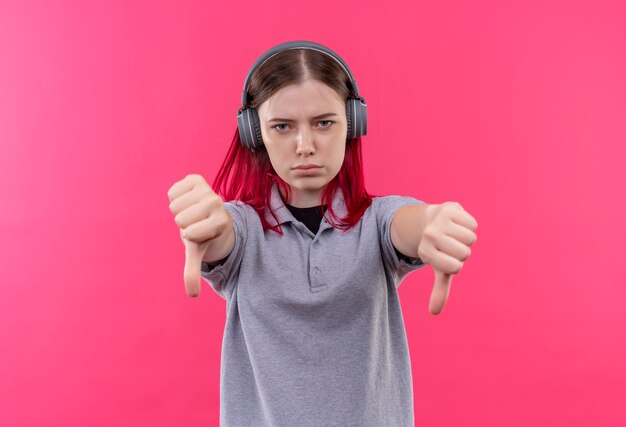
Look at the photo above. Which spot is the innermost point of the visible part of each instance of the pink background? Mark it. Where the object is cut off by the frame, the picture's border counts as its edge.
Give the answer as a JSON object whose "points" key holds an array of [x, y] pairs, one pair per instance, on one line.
{"points": [[515, 109]]}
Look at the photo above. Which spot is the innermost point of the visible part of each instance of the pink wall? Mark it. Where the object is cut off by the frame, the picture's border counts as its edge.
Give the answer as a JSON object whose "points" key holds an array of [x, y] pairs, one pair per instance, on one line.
{"points": [[517, 110]]}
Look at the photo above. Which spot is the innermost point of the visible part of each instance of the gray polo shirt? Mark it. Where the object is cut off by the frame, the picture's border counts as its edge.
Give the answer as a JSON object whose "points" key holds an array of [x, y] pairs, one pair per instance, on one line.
{"points": [[314, 331]]}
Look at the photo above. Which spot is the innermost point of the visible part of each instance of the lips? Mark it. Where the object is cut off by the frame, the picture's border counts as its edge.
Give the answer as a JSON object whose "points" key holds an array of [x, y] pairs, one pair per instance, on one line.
{"points": [[306, 167]]}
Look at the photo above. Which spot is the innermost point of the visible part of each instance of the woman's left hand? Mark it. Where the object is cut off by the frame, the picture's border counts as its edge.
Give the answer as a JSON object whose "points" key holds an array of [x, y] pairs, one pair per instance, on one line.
{"points": [[445, 242]]}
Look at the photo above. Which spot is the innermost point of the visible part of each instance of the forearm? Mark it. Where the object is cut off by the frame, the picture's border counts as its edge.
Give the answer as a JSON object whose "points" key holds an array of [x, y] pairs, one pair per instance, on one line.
{"points": [[407, 228], [221, 246]]}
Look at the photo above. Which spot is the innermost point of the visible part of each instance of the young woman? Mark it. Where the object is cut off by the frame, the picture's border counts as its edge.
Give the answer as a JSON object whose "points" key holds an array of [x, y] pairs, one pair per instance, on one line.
{"points": [[307, 261]]}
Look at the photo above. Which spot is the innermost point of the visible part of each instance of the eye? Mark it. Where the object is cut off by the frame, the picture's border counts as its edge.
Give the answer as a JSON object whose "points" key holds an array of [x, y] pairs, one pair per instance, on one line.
{"points": [[330, 122], [280, 124]]}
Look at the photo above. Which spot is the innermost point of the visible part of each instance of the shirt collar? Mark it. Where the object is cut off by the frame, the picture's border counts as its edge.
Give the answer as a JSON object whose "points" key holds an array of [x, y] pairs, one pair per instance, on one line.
{"points": [[284, 215]]}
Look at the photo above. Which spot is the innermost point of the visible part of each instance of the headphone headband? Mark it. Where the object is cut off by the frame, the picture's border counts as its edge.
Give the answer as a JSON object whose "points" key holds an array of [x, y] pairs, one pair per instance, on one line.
{"points": [[297, 44]]}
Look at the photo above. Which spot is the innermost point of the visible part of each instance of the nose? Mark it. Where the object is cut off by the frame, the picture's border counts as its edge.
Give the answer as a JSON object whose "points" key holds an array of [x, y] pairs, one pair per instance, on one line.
{"points": [[304, 143]]}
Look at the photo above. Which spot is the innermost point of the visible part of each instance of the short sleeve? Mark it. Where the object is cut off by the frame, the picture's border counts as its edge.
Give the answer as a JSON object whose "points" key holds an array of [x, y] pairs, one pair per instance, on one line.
{"points": [[222, 277], [397, 266]]}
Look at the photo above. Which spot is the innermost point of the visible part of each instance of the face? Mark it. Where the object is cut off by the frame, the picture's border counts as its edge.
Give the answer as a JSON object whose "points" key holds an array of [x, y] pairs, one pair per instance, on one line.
{"points": [[294, 134]]}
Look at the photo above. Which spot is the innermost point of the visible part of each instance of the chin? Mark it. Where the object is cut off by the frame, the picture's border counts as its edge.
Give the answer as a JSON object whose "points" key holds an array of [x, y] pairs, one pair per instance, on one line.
{"points": [[307, 186]]}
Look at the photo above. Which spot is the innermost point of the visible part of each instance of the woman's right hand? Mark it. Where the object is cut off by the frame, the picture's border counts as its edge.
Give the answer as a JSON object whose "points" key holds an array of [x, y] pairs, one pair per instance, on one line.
{"points": [[202, 218]]}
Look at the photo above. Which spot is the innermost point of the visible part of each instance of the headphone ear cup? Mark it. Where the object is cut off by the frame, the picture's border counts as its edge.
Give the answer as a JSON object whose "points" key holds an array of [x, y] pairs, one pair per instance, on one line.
{"points": [[356, 115], [349, 117], [249, 127]]}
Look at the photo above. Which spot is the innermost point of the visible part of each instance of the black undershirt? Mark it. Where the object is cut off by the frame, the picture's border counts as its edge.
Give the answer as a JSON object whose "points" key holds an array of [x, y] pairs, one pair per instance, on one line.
{"points": [[311, 217]]}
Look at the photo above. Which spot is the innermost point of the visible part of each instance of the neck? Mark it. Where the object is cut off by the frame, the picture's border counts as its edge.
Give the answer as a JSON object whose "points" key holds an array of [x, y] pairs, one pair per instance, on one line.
{"points": [[303, 198]]}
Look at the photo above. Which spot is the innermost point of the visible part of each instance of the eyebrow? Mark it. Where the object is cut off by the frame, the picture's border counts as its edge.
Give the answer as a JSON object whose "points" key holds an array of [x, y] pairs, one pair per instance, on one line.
{"points": [[321, 116]]}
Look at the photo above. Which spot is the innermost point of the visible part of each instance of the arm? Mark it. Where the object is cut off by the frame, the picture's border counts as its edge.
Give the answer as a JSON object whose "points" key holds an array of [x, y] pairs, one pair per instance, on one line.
{"points": [[406, 228]]}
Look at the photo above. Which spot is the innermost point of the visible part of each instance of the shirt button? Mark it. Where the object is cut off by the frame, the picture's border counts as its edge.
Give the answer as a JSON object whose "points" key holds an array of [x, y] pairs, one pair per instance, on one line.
{"points": [[316, 270]]}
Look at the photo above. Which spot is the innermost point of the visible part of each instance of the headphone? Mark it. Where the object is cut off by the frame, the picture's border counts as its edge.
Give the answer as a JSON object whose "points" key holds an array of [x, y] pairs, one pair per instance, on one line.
{"points": [[248, 118]]}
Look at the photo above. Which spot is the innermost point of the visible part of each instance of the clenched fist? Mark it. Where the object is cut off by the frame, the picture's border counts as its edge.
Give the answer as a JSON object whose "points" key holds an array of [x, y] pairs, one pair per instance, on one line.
{"points": [[205, 225], [445, 245]]}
